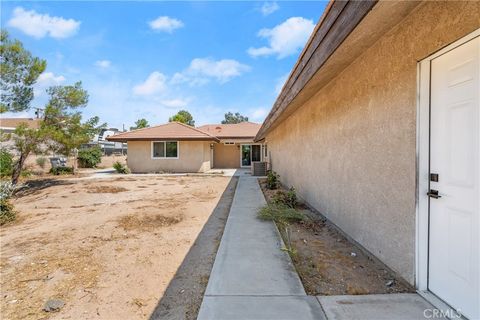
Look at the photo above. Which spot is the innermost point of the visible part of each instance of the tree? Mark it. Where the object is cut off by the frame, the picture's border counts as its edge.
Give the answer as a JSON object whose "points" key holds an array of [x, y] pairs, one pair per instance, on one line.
{"points": [[234, 118], [140, 124], [62, 122], [19, 71], [60, 130], [183, 116]]}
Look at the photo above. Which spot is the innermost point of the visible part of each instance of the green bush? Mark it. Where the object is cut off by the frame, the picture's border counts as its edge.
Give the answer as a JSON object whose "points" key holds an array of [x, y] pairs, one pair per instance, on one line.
{"points": [[287, 198], [41, 161], [61, 170], [120, 168], [273, 180], [280, 214], [6, 163], [7, 213], [89, 157]]}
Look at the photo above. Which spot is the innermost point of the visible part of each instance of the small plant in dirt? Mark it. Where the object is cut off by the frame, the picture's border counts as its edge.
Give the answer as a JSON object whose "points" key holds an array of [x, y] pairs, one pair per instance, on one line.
{"points": [[89, 157], [61, 170], [7, 213], [6, 163], [41, 162], [287, 198], [121, 168], [273, 180], [283, 216]]}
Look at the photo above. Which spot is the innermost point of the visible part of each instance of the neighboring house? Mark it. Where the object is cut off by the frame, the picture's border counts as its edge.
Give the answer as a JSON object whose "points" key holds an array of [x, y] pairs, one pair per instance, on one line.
{"points": [[177, 147], [380, 112], [8, 125], [108, 147]]}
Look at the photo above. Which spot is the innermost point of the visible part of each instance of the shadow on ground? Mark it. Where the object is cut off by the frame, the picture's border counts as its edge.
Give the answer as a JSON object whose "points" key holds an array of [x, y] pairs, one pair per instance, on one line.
{"points": [[33, 186], [184, 294]]}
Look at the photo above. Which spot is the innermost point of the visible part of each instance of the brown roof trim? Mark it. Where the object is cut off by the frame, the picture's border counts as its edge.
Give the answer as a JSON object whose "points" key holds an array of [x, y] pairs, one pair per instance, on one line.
{"points": [[114, 138], [338, 21]]}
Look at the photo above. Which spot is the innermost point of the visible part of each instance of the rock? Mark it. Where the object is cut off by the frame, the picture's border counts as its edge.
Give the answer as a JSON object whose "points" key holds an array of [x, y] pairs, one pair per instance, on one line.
{"points": [[353, 254], [390, 283], [53, 305]]}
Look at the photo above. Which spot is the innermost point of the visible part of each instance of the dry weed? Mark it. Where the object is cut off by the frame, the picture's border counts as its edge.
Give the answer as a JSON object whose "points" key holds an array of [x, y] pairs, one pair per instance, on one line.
{"points": [[147, 222]]}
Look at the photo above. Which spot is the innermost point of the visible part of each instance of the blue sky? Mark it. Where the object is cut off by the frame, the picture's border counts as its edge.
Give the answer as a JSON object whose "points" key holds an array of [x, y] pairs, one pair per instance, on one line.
{"points": [[151, 59]]}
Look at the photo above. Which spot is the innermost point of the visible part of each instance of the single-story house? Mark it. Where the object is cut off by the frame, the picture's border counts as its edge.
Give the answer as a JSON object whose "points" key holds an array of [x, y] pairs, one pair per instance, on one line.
{"points": [[177, 147], [378, 128], [8, 125]]}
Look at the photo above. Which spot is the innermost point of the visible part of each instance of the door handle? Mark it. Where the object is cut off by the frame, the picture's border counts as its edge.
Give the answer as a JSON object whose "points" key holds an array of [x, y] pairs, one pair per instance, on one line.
{"points": [[433, 194]]}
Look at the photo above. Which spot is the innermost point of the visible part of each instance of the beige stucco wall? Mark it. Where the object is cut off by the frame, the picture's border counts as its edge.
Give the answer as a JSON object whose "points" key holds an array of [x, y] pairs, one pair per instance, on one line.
{"points": [[226, 156], [194, 156], [350, 150]]}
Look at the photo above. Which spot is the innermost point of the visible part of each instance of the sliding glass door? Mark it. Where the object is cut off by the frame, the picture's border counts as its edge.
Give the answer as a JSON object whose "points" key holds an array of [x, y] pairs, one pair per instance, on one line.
{"points": [[250, 153]]}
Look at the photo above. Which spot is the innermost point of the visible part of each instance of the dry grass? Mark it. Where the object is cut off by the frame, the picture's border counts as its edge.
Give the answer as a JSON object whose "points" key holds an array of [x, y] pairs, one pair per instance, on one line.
{"points": [[58, 275], [106, 189], [147, 222]]}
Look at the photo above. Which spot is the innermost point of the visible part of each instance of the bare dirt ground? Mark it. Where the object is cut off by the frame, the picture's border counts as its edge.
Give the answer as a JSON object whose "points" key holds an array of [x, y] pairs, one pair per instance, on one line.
{"points": [[329, 264], [112, 248]]}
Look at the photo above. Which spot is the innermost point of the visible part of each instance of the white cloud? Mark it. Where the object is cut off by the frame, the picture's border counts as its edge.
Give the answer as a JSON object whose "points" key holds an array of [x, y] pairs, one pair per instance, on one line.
{"points": [[104, 64], [258, 114], [269, 8], [284, 39], [165, 24], [155, 83], [201, 70], [41, 25], [46, 80], [175, 103]]}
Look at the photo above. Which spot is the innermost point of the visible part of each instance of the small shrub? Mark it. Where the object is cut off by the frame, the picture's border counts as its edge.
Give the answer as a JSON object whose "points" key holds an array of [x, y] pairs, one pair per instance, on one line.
{"points": [[287, 198], [6, 163], [90, 157], [41, 162], [61, 170], [280, 214], [26, 173], [273, 180], [7, 213], [121, 168]]}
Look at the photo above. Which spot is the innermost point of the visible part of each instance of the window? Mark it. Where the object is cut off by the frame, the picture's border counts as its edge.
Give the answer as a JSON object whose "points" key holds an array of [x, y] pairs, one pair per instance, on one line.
{"points": [[164, 149], [229, 143]]}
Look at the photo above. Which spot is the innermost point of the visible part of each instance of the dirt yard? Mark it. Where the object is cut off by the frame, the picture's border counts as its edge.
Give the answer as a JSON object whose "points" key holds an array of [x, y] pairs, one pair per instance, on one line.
{"points": [[329, 264], [120, 248]]}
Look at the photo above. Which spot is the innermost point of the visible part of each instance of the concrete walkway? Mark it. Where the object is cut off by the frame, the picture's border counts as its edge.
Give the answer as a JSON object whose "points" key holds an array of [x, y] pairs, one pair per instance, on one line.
{"points": [[252, 278]]}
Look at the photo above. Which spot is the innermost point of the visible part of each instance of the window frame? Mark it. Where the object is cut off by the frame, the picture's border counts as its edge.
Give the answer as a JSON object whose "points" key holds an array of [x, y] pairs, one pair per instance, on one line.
{"points": [[164, 150]]}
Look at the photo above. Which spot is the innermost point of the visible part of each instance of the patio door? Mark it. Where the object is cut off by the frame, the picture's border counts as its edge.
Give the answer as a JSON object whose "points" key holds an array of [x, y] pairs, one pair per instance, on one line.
{"points": [[246, 155], [249, 153], [454, 196]]}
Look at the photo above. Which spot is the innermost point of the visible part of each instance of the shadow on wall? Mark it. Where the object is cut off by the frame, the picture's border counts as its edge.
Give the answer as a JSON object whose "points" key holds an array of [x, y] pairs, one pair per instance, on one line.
{"points": [[184, 294]]}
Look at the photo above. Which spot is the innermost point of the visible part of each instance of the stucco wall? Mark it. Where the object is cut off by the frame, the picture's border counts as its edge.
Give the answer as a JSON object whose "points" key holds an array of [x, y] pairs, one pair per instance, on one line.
{"points": [[194, 156], [350, 150], [226, 156]]}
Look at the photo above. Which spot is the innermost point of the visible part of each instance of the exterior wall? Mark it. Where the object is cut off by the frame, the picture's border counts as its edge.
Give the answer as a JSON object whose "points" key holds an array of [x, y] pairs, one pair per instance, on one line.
{"points": [[350, 150], [194, 156], [226, 156]]}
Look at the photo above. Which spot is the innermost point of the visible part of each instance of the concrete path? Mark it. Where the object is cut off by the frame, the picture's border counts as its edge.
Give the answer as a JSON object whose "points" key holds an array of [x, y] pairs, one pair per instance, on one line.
{"points": [[252, 278]]}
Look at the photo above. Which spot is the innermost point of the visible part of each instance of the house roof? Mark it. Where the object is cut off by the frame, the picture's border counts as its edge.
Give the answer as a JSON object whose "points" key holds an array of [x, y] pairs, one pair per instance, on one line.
{"points": [[237, 130], [12, 123], [169, 131], [345, 30]]}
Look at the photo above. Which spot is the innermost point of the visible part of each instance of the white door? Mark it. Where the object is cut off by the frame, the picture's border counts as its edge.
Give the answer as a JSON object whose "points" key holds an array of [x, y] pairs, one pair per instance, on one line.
{"points": [[454, 269]]}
